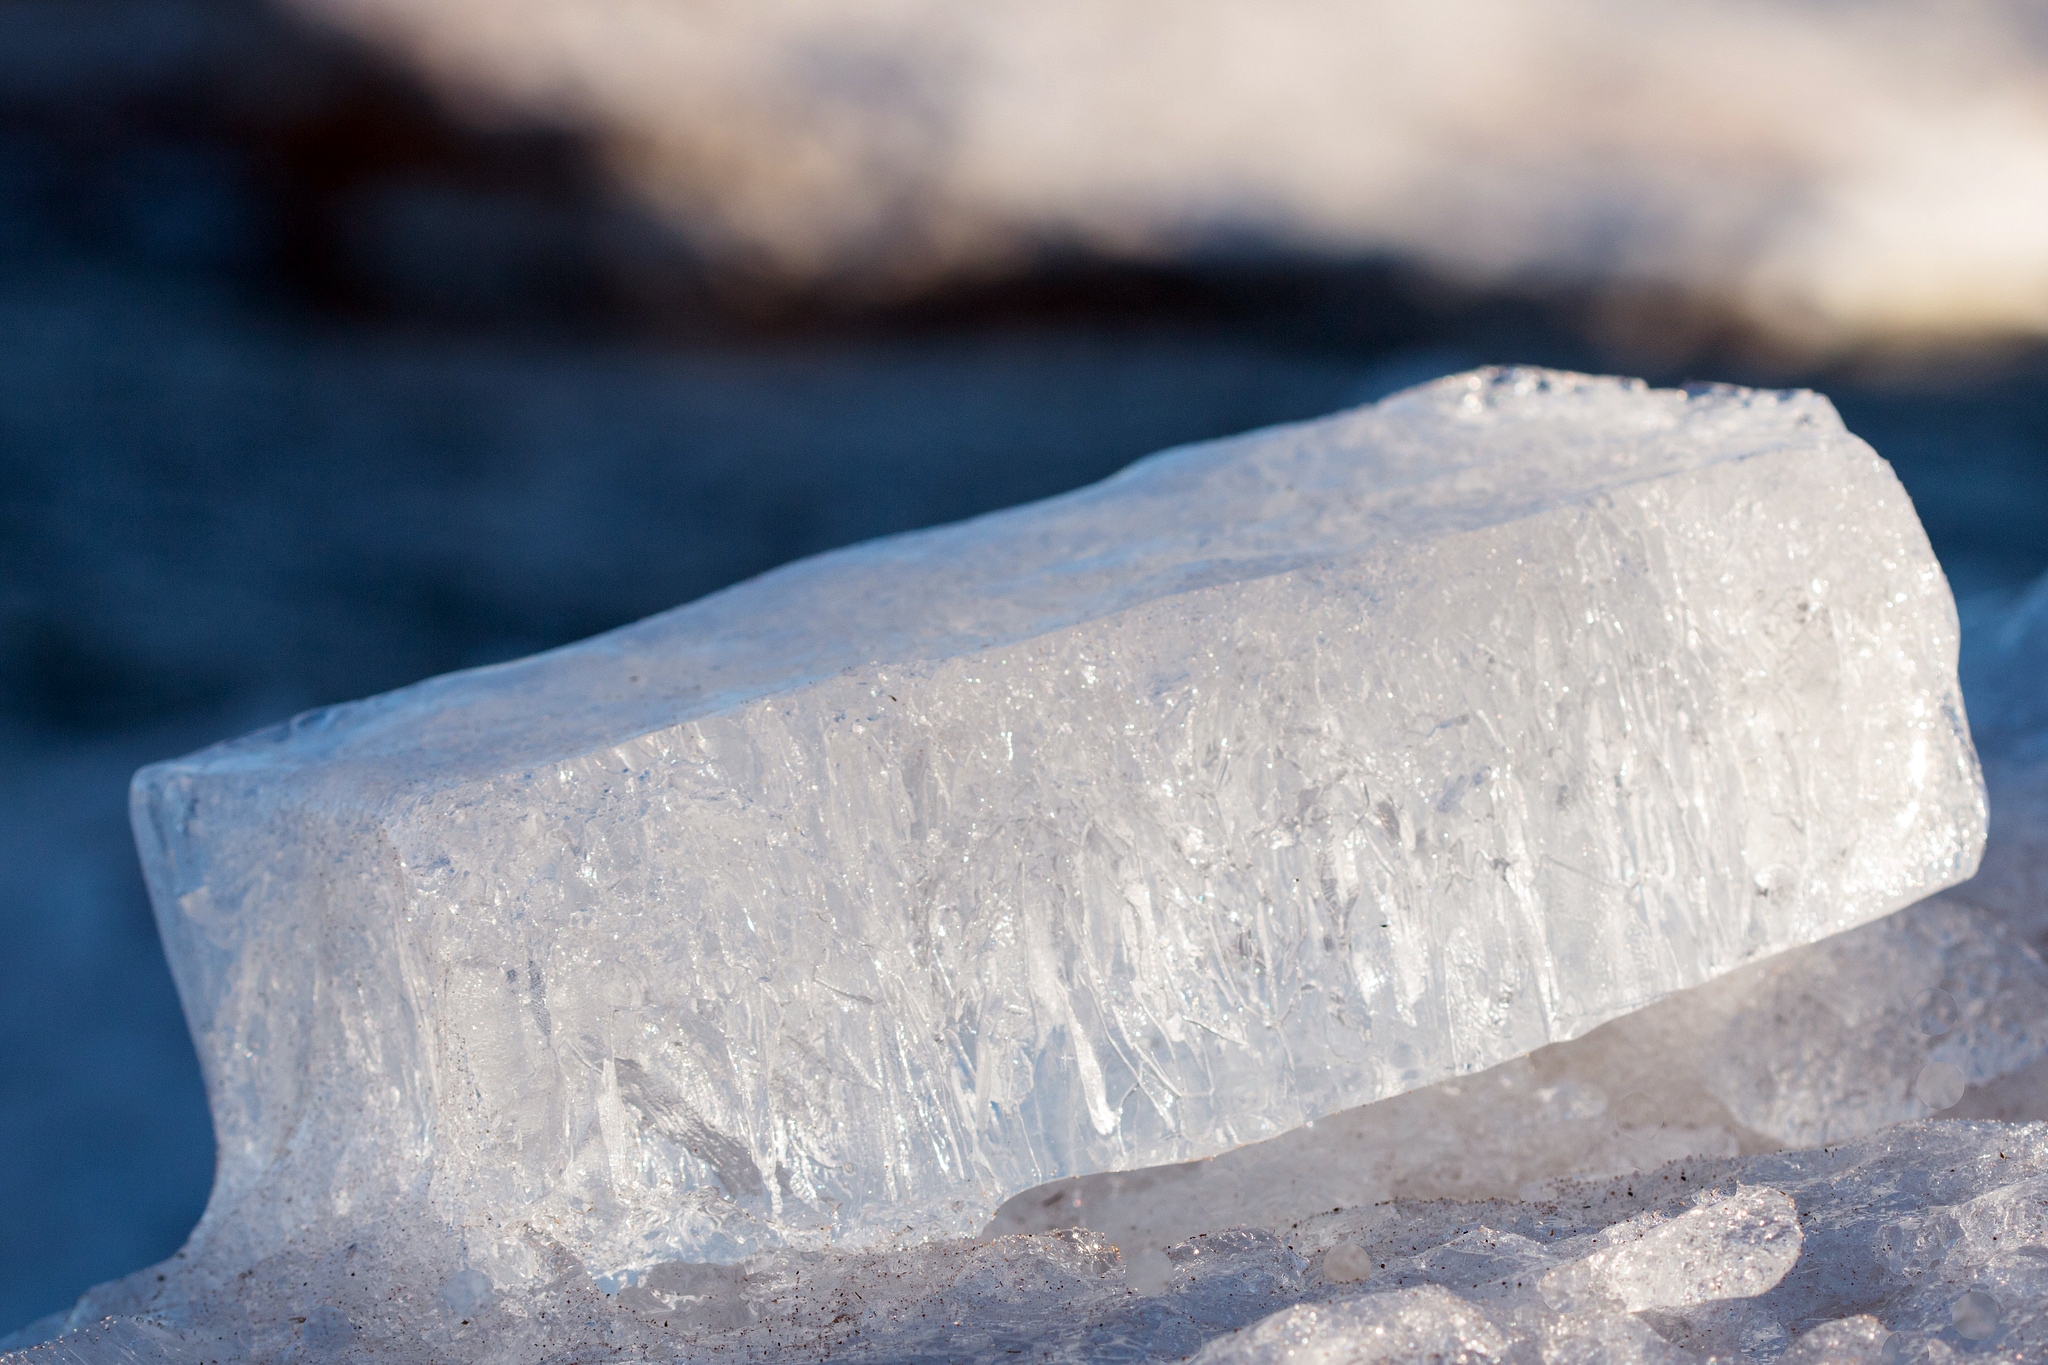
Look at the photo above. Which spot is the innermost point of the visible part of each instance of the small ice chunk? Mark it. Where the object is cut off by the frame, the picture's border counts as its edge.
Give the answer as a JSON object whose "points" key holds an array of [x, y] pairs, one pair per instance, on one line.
{"points": [[1486, 1263], [1733, 1248], [1858, 1340], [1235, 1276], [1424, 1323]]}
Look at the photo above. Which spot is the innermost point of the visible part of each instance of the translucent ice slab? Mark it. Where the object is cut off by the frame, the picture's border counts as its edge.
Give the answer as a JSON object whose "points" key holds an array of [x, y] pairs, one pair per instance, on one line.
{"points": [[1268, 778]]}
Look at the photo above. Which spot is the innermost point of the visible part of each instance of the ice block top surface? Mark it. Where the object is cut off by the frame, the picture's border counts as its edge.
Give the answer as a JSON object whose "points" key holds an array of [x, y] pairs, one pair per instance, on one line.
{"points": [[1465, 452]]}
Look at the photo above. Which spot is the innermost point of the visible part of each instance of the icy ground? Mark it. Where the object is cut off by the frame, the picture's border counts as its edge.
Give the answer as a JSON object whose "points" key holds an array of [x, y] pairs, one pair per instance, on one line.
{"points": [[1881, 172], [1927, 1242]]}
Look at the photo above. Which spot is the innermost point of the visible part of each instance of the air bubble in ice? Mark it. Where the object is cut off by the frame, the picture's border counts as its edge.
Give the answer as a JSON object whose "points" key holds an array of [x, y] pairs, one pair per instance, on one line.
{"points": [[326, 1327], [467, 1291], [1636, 1110], [1975, 1315], [1347, 1263], [1935, 1011], [785, 798], [1939, 1085]]}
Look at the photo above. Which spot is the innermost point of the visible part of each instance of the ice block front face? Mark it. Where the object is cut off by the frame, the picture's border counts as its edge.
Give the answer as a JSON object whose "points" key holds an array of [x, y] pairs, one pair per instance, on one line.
{"points": [[1270, 777]]}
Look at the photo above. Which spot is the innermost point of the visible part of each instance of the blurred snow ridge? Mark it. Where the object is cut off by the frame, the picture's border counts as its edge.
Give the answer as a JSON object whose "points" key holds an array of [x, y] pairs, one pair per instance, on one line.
{"points": [[1833, 174]]}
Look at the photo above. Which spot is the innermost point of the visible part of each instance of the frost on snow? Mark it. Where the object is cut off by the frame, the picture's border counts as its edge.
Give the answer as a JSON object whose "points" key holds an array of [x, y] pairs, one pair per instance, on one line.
{"points": [[700, 986]]}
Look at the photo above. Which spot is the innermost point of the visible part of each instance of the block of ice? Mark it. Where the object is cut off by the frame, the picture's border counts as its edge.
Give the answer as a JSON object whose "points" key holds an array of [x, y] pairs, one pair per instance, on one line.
{"points": [[1271, 777]]}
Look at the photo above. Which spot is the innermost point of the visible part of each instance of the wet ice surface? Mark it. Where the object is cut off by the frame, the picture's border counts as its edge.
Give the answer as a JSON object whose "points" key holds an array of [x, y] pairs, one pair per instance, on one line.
{"points": [[1899, 1237]]}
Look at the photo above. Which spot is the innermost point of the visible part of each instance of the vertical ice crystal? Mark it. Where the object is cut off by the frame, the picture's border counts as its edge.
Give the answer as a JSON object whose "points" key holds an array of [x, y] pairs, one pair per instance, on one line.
{"points": [[1270, 777]]}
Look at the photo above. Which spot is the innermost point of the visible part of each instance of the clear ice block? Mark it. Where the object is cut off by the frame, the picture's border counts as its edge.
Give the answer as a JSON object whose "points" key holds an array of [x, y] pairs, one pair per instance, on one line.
{"points": [[1268, 778]]}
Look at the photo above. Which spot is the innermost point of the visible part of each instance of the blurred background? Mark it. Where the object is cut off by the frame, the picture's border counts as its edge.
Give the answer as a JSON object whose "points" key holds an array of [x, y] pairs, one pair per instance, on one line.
{"points": [[347, 341]]}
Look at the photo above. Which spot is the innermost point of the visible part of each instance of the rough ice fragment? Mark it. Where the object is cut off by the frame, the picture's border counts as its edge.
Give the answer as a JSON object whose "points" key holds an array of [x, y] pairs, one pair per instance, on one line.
{"points": [[1271, 777], [1487, 1292], [1734, 1248], [1425, 1323]]}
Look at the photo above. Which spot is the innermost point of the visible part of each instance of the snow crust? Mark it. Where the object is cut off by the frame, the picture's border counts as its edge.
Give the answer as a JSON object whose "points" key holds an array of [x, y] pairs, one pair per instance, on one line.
{"points": [[452, 1129]]}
